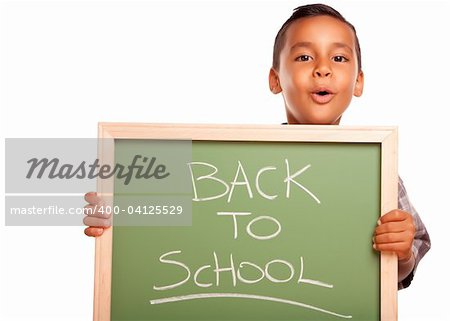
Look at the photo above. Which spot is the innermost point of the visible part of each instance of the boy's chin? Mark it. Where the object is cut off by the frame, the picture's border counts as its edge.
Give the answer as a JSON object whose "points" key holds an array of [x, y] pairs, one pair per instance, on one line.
{"points": [[325, 120], [322, 116], [322, 122]]}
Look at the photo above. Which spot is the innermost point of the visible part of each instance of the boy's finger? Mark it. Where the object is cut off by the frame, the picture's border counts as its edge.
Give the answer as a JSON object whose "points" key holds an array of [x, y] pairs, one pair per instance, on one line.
{"points": [[391, 238], [391, 227], [92, 198], [96, 221], [93, 231], [393, 216], [401, 249], [390, 247]]}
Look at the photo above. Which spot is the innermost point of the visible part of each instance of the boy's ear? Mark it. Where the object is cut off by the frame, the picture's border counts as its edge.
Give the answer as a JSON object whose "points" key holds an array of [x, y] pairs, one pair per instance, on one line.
{"points": [[274, 83], [359, 86]]}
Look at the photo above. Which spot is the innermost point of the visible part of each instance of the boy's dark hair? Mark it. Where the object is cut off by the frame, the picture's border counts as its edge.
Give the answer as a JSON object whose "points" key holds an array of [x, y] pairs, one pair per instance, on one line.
{"points": [[310, 10]]}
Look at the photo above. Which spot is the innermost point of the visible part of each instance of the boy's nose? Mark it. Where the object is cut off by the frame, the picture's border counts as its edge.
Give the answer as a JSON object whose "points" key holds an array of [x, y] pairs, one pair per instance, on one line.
{"points": [[319, 73], [322, 70]]}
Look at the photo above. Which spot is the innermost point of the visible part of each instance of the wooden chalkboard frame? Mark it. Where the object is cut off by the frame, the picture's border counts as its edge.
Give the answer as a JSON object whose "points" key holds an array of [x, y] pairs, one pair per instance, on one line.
{"points": [[386, 136]]}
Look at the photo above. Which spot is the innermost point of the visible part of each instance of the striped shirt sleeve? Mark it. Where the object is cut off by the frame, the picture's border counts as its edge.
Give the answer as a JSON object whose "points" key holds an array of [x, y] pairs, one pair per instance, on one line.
{"points": [[421, 243]]}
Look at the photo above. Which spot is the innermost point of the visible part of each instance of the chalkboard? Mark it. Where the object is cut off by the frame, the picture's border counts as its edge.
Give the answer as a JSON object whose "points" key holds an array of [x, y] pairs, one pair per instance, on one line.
{"points": [[276, 223]]}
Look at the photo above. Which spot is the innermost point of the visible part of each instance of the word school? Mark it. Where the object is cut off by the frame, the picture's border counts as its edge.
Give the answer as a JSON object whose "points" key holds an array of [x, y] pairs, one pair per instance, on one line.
{"points": [[236, 273]]}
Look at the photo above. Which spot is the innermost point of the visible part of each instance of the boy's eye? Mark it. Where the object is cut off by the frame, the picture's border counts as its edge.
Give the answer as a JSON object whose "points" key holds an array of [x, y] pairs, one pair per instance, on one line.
{"points": [[303, 58], [339, 59]]}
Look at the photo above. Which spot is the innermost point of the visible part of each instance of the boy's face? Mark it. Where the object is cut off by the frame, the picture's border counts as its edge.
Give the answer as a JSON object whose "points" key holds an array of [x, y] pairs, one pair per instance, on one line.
{"points": [[318, 73]]}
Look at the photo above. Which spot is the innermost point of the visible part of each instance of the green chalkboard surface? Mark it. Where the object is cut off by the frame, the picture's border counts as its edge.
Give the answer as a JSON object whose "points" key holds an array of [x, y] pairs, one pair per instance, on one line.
{"points": [[279, 230]]}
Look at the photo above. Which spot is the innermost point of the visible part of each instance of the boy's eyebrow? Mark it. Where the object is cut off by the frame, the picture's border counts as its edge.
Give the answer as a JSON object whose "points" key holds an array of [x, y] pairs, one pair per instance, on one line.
{"points": [[308, 44], [301, 44], [342, 45]]}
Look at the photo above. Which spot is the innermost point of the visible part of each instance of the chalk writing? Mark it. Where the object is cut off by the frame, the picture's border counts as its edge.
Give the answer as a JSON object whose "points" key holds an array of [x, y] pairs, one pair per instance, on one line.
{"points": [[241, 179], [211, 272], [246, 296]]}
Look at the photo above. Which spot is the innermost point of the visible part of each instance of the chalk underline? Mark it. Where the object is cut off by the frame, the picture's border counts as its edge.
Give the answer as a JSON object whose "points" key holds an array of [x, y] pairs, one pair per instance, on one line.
{"points": [[245, 296]]}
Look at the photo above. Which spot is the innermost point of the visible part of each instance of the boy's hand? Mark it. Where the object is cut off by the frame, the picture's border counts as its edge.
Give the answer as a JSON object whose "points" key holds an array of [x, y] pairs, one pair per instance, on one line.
{"points": [[95, 220], [395, 233]]}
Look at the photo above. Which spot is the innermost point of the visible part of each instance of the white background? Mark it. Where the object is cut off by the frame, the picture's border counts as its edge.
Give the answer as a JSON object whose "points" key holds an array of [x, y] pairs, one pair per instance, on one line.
{"points": [[67, 65]]}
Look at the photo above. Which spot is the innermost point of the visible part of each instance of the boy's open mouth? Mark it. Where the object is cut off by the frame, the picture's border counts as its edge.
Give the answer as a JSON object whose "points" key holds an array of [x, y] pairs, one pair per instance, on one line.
{"points": [[322, 96]]}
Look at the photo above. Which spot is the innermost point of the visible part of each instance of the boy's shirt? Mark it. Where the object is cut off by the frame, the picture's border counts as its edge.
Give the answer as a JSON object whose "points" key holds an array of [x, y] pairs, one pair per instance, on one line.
{"points": [[421, 243]]}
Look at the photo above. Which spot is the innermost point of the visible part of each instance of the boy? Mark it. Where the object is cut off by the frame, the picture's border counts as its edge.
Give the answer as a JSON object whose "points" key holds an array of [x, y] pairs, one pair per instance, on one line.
{"points": [[317, 68]]}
